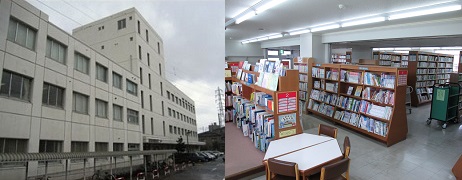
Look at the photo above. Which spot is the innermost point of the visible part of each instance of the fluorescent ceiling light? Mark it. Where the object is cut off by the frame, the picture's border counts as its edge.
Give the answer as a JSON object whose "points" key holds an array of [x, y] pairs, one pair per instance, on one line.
{"points": [[275, 36], [263, 38], [425, 12], [430, 48], [245, 17], [364, 21], [375, 49], [245, 42], [451, 48], [322, 28], [253, 40], [387, 49], [269, 5], [299, 32], [403, 49]]}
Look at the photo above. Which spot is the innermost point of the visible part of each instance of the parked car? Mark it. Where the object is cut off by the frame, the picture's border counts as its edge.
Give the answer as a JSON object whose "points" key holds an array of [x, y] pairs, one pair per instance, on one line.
{"points": [[206, 156], [186, 157], [210, 155], [195, 157]]}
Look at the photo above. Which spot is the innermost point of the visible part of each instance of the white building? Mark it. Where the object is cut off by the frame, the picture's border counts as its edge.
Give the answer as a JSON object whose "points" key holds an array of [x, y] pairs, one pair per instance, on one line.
{"points": [[100, 89]]}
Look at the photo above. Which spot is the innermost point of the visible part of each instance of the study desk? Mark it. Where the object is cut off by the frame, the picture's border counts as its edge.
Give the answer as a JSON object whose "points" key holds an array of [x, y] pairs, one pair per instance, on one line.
{"points": [[311, 152]]}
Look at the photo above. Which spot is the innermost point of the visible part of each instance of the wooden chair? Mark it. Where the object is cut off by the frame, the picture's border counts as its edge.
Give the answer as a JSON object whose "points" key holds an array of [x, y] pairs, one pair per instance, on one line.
{"points": [[334, 171], [282, 170], [327, 130], [346, 147]]}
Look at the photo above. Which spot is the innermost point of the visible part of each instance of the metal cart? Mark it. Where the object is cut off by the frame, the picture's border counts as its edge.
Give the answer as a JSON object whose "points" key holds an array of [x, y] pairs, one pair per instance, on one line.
{"points": [[445, 103], [409, 90]]}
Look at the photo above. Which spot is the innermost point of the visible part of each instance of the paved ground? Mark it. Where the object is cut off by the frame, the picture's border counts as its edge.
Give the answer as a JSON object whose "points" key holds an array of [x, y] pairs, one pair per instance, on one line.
{"points": [[214, 170]]}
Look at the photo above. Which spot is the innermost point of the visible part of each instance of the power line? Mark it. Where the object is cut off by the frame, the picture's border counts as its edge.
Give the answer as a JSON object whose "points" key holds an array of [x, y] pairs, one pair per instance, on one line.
{"points": [[78, 10], [58, 12]]}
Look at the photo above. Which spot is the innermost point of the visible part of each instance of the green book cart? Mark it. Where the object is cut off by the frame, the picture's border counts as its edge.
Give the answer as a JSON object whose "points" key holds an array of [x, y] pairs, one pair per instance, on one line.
{"points": [[445, 103]]}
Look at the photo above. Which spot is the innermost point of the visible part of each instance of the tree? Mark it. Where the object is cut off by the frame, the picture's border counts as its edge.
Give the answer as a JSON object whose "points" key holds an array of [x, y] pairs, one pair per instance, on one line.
{"points": [[180, 146]]}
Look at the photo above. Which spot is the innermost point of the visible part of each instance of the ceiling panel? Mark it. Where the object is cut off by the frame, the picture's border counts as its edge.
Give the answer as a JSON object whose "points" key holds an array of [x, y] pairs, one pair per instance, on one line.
{"points": [[296, 14]]}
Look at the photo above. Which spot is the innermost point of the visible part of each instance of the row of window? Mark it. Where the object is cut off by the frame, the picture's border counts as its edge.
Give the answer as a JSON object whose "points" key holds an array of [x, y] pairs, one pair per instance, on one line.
{"points": [[121, 24], [8, 145], [182, 102], [180, 116], [18, 86], [181, 131]]}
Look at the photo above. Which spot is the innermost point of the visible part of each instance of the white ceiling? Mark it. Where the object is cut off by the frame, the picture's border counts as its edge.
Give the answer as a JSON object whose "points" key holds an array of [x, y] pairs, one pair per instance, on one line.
{"points": [[296, 14]]}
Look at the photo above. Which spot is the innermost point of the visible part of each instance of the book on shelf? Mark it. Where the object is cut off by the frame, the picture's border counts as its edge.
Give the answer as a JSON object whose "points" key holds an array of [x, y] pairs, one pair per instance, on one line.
{"points": [[350, 90], [317, 84], [332, 87], [317, 72], [358, 91]]}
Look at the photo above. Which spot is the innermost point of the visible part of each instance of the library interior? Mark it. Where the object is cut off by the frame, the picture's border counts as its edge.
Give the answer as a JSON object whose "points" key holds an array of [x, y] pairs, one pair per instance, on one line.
{"points": [[343, 89]]}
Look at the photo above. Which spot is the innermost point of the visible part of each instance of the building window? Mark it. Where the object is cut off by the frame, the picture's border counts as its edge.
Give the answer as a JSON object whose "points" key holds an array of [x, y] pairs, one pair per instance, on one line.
{"points": [[102, 47], [130, 18], [163, 127], [13, 145], [174, 113], [169, 112], [141, 75], [121, 24], [116, 80], [56, 50], [131, 38], [171, 129], [133, 147], [139, 52], [81, 63], [117, 146], [21, 34], [101, 72], [101, 147], [52, 95], [173, 97], [139, 29], [152, 126], [132, 88], [147, 35], [174, 129], [77, 146], [161, 89], [168, 95], [178, 115], [150, 102], [149, 80], [163, 114], [101, 108], [142, 99], [132, 116], [47, 146], [143, 124], [160, 69], [149, 60], [158, 47], [176, 99], [117, 112], [80, 104], [181, 117], [16, 86]]}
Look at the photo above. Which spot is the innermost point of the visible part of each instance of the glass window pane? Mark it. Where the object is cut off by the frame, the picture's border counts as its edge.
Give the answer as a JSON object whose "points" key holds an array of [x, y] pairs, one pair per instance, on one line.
{"points": [[45, 94], [62, 54], [30, 39], [12, 30], [59, 97], [52, 96], [10, 145], [54, 50], [16, 86], [5, 85], [21, 34], [48, 53], [25, 89]]}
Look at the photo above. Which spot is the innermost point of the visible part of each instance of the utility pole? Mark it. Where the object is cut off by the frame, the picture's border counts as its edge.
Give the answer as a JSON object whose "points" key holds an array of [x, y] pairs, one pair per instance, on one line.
{"points": [[219, 101]]}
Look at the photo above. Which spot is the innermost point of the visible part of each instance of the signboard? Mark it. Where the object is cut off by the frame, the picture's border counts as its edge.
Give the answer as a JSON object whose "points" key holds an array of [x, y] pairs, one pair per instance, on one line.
{"points": [[363, 68], [287, 101], [287, 133], [440, 94], [287, 120], [227, 73], [402, 77]]}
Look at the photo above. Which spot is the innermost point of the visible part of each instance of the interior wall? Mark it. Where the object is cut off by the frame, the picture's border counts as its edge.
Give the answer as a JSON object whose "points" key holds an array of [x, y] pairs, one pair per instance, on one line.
{"points": [[360, 52], [236, 51]]}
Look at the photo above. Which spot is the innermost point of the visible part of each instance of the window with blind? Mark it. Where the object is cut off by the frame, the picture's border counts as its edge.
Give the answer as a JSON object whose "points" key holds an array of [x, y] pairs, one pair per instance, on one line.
{"points": [[52, 95], [132, 88], [22, 34], [80, 104], [16, 86], [117, 112], [101, 72], [56, 51], [101, 108], [81, 63], [132, 116], [116, 80]]}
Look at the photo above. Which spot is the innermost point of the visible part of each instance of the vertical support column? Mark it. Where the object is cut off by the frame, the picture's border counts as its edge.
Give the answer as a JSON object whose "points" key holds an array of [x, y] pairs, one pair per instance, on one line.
{"points": [[311, 46], [65, 175], [27, 169], [110, 164], [94, 165], [84, 169], [46, 169], [131, 168], [145, 167]]}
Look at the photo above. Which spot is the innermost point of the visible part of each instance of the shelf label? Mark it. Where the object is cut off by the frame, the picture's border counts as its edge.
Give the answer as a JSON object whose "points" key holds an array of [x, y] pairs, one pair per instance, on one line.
{"points": [[287, 120], [440, 94], [363, 68], [287, 101], [402, 77], [287, 133], [317, 65]]}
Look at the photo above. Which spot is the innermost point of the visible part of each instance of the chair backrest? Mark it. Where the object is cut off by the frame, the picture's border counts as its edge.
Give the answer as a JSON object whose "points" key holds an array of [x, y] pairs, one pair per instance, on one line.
{"points": [[346, 147], [335, 170], [327, 130], [283, 168]]}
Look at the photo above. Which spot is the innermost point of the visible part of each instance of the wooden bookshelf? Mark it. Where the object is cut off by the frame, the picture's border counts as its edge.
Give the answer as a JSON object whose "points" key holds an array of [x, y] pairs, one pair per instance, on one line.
{"points": [[228, 96], [425, 70], [341, 58], [391, 59], [348, 97], [287, 85], [302, 65]]}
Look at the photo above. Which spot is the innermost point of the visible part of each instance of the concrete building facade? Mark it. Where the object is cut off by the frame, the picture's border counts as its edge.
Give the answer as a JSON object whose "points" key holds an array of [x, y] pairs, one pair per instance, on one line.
{"points": [[101, 89]]}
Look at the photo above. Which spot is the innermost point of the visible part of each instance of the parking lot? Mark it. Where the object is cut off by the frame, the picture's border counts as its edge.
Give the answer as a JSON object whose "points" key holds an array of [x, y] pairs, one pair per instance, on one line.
{"points": [[206, 170]]}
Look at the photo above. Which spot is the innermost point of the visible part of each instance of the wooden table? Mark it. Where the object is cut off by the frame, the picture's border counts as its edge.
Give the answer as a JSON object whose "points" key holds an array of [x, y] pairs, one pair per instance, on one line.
{"points": [[310, 152]]}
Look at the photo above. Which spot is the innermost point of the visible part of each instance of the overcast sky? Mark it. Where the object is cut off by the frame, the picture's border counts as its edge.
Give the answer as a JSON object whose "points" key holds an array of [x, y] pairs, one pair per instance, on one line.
{"points": [[193, 35]]}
